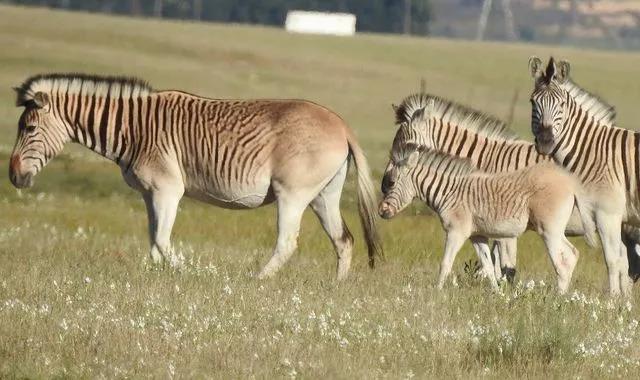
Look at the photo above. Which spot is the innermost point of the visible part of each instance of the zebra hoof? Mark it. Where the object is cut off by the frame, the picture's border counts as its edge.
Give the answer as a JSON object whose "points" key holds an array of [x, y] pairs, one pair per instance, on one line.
{"points": [[509, 274]]}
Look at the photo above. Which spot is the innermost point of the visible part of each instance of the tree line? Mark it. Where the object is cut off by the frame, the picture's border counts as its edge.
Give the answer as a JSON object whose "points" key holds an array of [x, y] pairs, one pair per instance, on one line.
{"points": [[386, 16]]}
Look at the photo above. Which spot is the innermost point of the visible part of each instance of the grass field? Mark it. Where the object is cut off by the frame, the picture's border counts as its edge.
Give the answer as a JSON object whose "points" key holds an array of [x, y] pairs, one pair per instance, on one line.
{"points": [[78, 299]]}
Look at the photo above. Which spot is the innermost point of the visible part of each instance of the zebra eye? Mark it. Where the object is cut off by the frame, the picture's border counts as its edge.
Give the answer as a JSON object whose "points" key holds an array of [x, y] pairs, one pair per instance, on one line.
{"points": [[30, 128]]}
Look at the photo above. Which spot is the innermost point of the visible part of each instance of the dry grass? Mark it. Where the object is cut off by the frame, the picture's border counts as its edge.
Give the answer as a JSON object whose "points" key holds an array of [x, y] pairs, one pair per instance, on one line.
{"points": [[77, 298]]}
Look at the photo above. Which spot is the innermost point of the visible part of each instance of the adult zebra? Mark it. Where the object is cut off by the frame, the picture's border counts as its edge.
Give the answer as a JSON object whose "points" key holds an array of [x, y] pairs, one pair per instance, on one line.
{"points": [[231, 153], [578, 130]]}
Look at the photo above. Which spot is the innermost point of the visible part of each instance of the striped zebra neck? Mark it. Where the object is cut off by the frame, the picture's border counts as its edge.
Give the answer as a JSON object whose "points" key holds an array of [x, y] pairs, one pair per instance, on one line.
{"points": [[589, 146], [97, 112], [437, 176], [598, 108]]}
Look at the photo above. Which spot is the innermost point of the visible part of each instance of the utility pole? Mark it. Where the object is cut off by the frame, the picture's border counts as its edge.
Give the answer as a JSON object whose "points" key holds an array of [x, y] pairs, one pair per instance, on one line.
{"points": [[509, 27], [484, 16]]}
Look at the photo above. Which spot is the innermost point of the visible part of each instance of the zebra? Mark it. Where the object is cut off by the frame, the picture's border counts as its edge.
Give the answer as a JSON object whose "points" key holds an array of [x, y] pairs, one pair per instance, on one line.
{"points": [[485, 140], [476, 205], [237, 154], [578, 130]]}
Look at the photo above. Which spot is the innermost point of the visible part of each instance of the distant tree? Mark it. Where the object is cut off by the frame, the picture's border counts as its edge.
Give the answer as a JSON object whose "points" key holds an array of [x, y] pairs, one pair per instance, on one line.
{"points": [[389, 16]]}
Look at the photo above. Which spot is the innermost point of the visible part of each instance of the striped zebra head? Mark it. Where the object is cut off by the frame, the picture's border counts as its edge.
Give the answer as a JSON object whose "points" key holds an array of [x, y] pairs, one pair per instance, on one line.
{"points": [[397, 186], [413, 128], [548, 103], [41, 136]]}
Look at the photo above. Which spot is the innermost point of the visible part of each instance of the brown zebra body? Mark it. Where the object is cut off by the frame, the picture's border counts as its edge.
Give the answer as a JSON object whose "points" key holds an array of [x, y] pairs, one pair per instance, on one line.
{"points": [[231, 153]]}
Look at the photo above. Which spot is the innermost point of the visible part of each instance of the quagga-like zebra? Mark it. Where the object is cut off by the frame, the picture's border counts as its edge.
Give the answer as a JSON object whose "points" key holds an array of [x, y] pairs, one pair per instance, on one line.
{"points": [[485, 140], [232, 153], [477, 205], [578, 130]]}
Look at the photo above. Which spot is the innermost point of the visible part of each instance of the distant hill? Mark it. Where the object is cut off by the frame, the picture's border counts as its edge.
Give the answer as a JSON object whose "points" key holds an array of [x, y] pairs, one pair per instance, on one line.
{"points": [[596, 23]]}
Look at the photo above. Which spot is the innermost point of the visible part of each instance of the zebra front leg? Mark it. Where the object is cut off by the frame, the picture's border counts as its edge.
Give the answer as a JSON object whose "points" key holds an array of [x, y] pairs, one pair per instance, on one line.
{"points": [[162, 206], [609, 229], [452, 246], [481, 246], [289, 216]]}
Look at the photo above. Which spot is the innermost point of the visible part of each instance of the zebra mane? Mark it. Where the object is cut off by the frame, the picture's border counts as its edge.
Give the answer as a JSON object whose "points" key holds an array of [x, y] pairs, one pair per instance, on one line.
{"points": [[452, 112], [597, 107], [446, 164], [83, 84]]}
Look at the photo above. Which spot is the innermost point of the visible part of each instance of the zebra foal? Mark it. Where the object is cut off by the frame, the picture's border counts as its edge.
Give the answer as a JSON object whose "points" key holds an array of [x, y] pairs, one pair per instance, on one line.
{"points": [[238, 154]]}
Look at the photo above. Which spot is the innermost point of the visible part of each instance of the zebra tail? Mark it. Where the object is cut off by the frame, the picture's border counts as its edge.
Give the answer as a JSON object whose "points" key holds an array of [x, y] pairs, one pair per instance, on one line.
{"points": [[367, 201], [586, 215]]}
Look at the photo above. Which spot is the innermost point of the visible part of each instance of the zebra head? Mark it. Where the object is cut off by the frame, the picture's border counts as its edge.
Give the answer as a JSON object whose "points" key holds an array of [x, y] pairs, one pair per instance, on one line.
{"points": [[397, 186], [548, 103], [41, 136], [416, 128]]}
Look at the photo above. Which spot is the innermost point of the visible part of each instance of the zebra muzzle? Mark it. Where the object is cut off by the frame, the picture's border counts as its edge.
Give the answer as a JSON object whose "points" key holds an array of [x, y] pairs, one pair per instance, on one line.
{"points": [[386, 211], [17, 179]]}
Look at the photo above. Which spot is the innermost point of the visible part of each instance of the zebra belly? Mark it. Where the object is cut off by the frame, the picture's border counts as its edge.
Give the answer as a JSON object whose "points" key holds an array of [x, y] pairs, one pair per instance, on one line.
{"points": [[504, 228], [237, 199]]}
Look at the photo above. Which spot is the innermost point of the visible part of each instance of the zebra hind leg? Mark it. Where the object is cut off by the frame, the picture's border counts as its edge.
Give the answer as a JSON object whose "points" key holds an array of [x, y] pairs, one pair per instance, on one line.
{"points": [[161, 210], [563, 258], [507, 251], [327, 207]]}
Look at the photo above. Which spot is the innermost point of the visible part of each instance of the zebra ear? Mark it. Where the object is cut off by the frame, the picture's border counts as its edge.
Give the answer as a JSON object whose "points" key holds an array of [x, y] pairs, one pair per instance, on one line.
{"points": [[41, 99], [395, 107], [417, 115], [551, 70], [431, 104], [412, 160], [19, 99], [535, 67], [563, 71]]}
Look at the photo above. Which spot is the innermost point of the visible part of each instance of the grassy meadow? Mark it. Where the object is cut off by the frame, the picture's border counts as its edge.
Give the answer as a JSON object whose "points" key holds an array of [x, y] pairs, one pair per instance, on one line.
{"points": [[79, 299]]}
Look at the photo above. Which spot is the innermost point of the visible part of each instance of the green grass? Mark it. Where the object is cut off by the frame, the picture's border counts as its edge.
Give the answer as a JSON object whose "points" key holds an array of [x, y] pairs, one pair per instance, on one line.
{"points": [[77, 298]]}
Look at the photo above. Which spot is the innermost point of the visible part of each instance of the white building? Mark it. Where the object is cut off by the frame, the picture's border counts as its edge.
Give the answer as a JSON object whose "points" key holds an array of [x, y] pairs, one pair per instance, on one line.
{"points": [[338, 24]]}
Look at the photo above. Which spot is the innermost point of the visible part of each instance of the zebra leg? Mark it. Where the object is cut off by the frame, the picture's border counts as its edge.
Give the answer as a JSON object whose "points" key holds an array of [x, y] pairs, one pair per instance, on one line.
{"points": [[452, 246], [161, 209], [481, 246], [156, 257], [496, 259], [562, 262], [632, 246], [508, 249], [327, 207], [289, 216], [570, 258], [609, 229]]}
